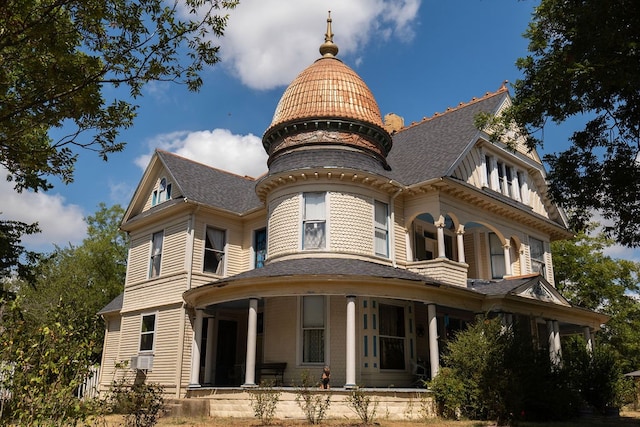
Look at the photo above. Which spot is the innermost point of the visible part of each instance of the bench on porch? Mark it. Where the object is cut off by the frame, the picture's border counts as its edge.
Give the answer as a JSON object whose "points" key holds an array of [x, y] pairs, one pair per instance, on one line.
{"points": [[272, 369]]}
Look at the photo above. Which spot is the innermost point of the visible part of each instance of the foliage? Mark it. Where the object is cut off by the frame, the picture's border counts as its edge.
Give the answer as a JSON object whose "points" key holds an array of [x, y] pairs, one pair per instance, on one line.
{"points": [[363, 405], [493, 372], [264, 401], [583, 66], [44, 364], [13, 256], [86, 277], [589, 278], [139, 401], [58, 58], [314, 404]]}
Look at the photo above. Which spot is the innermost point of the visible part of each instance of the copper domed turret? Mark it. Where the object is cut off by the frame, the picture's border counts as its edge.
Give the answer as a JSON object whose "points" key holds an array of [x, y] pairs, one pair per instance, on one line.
{"points": [[327, 104]]}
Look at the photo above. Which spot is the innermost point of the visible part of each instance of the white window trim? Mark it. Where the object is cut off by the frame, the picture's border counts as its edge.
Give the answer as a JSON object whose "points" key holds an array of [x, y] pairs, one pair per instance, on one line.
{"points": [[407, 334], [150, 257], [386, 229], [327, 333], [327, 243], [225, 250], [155, 332]]}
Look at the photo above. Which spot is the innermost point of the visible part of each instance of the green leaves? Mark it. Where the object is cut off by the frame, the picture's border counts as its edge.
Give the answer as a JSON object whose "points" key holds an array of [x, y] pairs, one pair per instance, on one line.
{"points": [[583, 62], [56, 56]]}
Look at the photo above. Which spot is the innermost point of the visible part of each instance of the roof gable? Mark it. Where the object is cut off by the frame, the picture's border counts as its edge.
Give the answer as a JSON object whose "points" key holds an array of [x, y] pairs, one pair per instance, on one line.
{"points": [[532, 286], [431, 148], [197, 183]]}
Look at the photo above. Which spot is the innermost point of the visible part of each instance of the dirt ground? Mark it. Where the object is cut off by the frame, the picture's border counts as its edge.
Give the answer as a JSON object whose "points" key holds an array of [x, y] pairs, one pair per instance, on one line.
{"points": [[627, 418]]}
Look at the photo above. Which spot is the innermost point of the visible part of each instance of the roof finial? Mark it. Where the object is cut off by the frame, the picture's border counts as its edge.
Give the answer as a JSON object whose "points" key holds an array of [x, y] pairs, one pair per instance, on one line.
{"points": [[328, 48]]}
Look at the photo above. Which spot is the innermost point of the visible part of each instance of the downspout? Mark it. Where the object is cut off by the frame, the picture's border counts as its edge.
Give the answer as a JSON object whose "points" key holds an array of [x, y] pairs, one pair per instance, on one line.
{"points": [[392, 234], [189, 267]]}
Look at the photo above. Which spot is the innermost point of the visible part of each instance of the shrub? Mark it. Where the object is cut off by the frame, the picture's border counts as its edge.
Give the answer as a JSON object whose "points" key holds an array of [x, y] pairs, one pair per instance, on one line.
{"points": [[363, 405], [140, 402], [314, 404], [264, 401]]}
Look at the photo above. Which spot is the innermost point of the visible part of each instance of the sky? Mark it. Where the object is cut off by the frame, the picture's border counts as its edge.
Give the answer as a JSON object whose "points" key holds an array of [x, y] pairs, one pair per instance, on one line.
{"points": [[418, 57]]}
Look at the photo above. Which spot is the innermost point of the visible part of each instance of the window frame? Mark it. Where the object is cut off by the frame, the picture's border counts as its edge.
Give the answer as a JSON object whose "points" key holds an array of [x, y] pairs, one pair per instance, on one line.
{"points": [[317, 219], [541, 262], [495, 256], [255, 252], [155, 253], [324, 328], [398, 341], [144, 333], [218, 253], [381, 228]]}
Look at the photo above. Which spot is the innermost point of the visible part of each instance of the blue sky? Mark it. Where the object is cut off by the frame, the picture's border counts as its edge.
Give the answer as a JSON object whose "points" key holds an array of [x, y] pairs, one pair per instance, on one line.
{"points": [[417, 57]]}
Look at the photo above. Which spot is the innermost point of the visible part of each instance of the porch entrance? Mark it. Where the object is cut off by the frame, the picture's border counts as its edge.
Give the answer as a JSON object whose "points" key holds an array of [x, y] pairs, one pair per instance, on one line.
{"points": [[226, 345]]}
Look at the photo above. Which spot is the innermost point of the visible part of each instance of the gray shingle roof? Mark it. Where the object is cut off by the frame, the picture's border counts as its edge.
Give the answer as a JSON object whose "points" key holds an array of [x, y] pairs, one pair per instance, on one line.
{"points": [[114, 305], [428, 149], [332, 266], [327, 157], [210, 186]]}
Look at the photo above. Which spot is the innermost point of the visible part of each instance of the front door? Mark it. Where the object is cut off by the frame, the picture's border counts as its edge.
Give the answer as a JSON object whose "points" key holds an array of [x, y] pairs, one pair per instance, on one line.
{"points": [[226, 369]]}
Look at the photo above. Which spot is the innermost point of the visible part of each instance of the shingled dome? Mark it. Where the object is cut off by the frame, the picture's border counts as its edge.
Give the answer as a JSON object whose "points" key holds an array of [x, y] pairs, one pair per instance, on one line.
{"points": [[328, 95]]}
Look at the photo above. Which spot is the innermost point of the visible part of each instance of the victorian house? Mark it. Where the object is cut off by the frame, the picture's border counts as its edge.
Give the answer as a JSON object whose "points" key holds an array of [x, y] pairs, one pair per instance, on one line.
{"points": [[365, 247]]}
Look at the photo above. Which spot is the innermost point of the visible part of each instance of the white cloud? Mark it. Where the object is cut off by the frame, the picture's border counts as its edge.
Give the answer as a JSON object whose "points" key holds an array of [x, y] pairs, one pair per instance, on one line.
{"points": [[61, 223], [239, 154], [267, 43]]}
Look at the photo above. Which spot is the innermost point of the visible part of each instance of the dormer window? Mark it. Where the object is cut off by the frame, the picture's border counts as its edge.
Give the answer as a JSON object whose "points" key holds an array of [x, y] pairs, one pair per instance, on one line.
{"points": [[505, 179], [163, 193]]}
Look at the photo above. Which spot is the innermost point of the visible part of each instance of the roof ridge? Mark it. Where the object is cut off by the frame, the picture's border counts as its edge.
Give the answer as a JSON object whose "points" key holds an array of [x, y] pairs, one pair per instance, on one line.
{"points": [[502, 89], [247, 177]]}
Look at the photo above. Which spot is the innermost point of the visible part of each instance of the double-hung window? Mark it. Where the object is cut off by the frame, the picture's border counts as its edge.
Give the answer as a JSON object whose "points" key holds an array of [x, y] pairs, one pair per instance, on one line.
{"points": [[498, 268], [381, 229], [314, 221], [156, 254], [536, 250], [163, 193], [392, 336], [214, 251], [147, 332], [313, 328]]}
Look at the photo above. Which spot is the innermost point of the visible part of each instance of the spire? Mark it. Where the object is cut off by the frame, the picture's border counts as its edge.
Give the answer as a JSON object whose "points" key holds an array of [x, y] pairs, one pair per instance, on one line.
{"points": [[328, 49]]}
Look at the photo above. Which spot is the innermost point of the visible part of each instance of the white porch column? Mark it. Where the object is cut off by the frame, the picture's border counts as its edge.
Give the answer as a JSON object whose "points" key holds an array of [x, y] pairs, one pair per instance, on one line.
{"points": [[507, 257], [552, 341], [208, 362], [556, 337], [588, 338], [440, 228], [252, 336], [194, 380], [460, 241], [351, 342], [434, 352]]}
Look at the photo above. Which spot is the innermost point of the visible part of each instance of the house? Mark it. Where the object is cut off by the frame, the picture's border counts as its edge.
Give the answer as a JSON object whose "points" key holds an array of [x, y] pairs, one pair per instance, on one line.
{"points": [[365, 247]]}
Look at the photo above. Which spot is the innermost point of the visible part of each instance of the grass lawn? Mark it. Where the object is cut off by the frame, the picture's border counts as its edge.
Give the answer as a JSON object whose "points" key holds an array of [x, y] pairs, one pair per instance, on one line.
{"points": [[627, 418]]}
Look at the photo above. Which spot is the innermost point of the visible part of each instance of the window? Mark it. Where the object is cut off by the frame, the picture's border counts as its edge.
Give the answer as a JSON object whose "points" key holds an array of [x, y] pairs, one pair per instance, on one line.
{"points": [[381, 229], [147, 332], [502, 185], [313, 329], [392, 336], [536, 248], [313, 224], [163, 192], [156, 254], [259, 247], [498, 269], [214, 251]]}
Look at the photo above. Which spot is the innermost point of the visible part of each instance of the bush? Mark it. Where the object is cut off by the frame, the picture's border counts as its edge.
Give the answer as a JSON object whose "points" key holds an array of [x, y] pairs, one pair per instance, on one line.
{"points": [[141, 403], [314, 404], [264, 401], [362, 405]]}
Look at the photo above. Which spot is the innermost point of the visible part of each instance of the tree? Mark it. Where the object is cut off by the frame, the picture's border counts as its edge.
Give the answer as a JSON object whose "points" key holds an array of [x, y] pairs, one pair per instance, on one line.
{"points": [[57, 57], [86, 277], [14, 258], [589, 278], [583, 62]]}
